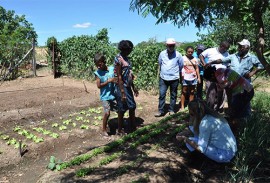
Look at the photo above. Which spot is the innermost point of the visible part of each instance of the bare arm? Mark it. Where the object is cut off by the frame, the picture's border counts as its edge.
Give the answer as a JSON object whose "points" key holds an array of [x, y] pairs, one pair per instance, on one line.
{"points": [[213, 62], [253, 72], [198, 74], [191, 143], [120, 81], [202, 60], [100, 85]]}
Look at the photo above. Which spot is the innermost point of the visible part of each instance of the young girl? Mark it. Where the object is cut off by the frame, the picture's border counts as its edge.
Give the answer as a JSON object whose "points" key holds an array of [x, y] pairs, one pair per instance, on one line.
{"points": [[212, 134], [125, 86], [190, 76]]}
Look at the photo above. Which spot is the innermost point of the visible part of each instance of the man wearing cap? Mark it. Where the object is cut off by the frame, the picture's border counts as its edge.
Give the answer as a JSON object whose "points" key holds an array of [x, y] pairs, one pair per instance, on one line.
{"points": [[243, 62], [199, 49], [170, 64]]}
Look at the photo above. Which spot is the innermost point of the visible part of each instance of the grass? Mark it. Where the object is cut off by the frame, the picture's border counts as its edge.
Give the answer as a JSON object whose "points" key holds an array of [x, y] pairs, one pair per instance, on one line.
{"points": [[253, 158]]}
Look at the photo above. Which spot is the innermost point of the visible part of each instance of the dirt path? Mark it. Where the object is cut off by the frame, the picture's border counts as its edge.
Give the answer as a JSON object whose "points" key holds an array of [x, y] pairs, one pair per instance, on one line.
{"points": [[41, 101]]}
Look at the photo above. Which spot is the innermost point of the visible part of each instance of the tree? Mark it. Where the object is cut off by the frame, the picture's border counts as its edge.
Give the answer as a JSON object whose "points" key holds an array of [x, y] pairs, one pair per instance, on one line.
{"points": [[16, 35], [206, 12]]}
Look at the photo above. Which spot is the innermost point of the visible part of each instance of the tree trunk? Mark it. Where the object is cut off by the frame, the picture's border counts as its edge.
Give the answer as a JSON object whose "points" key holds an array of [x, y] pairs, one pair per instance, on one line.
{"points": [[260, 50], [257, 14]]}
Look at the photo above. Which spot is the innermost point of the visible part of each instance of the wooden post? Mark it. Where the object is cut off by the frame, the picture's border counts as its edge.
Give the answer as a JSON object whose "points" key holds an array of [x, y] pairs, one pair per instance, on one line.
{"points": [[53, 61], [34, 58]]}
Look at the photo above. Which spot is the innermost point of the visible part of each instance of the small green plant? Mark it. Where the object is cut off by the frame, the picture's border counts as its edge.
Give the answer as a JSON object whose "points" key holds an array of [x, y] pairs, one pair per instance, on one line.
{"points": [[84, 127], [55, 125], [62, 127], [96, 123], [53, 164]]}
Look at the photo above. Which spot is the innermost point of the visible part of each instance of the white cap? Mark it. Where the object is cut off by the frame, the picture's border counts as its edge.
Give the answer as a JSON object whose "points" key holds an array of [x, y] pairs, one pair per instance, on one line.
{"points": [[170, 41], [244, 42]]}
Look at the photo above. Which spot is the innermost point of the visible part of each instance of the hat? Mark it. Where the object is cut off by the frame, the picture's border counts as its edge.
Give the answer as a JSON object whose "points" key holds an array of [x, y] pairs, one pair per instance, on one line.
{"points": [[200, 47], [244, 42], [170, 41]]}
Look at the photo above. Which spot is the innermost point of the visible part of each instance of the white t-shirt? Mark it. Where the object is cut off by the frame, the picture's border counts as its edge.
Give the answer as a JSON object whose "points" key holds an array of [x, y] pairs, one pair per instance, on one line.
{"points": [[213, 54], [215, 133]]}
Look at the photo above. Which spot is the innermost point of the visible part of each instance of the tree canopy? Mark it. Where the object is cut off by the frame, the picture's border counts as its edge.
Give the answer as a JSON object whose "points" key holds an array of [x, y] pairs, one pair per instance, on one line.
{"points": [[16, 35], [205, 13]]}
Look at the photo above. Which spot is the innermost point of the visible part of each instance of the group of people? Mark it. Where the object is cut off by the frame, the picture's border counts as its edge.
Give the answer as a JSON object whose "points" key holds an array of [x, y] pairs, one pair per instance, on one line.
{"points": [[176, 69], [227, 79]]}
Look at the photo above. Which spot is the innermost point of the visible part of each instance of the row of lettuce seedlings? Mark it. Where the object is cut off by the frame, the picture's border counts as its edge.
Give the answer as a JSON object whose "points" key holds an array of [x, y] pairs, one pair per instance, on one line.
{"points": [[64, 126]]}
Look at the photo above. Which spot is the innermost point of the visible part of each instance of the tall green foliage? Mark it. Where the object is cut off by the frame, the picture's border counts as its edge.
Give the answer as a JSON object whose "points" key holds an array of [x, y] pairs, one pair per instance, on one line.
{"points": [[144, 59], [77, 54], [52, 45], [16, 35]]}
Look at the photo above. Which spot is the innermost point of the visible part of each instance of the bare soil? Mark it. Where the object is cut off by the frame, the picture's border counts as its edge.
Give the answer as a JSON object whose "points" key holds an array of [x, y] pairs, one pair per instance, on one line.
{"points": [[43, 101]]}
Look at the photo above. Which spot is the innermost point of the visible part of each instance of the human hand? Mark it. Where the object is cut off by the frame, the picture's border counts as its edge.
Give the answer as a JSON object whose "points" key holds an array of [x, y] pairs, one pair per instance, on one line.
{"points": [[112, 80], [136, 92], [181, 138], [123, 98], [207, 65], [199, 80], [249, 74]]}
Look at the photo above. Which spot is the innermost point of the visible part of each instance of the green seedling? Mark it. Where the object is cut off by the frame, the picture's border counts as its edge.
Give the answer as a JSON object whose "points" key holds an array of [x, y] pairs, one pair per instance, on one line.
{"points": [[53, 164], [66, 122], [84, 127], [4, 137], [98, 117], [30, 136], [88, 114], [46, 132], [23, 132], [62, 127], [79, 118], [86, 121], [96, 123], [83, 112], [11, 141], [54, 135], [39, 129], [16, 129], [74, 124], [91, 110], [38, 139], [55, 125]]}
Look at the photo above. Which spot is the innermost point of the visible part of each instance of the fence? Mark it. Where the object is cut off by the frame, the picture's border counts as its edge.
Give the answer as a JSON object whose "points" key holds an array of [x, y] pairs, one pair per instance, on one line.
{"points": [[23, 67]]}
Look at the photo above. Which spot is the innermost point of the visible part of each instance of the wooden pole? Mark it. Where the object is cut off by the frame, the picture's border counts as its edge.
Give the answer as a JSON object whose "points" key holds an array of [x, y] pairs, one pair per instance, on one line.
{"points": [[34, 58], [53, 60]]}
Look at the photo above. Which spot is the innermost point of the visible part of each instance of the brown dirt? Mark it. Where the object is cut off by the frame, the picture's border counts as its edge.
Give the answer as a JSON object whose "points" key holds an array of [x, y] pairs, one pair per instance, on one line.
{"points": [[43, 101]]}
